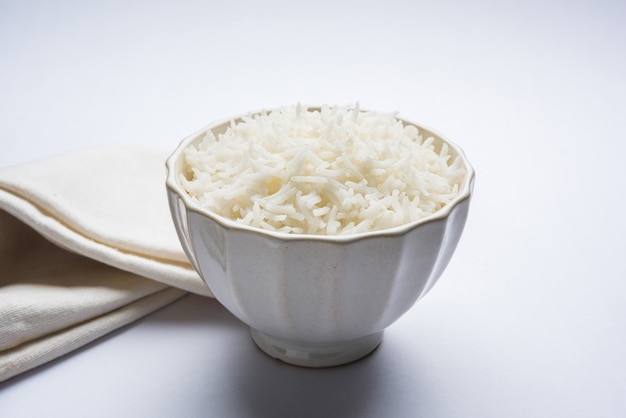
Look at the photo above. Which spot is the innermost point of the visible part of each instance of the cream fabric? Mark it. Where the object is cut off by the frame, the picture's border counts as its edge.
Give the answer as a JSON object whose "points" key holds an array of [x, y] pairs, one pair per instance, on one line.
{"points": [[86, 245]]}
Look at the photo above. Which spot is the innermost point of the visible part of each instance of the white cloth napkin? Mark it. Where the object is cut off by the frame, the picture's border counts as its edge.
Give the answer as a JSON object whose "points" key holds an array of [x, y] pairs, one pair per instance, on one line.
{"points": [[87, 245]]}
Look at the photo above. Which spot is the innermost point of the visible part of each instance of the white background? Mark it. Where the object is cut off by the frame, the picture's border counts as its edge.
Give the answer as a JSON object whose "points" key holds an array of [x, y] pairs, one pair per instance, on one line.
{"points": [[529, 320]]}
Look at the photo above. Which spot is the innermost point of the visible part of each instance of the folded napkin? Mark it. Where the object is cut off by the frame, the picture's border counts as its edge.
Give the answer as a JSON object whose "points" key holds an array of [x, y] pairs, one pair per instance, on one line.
{"points": [[87, 245]]}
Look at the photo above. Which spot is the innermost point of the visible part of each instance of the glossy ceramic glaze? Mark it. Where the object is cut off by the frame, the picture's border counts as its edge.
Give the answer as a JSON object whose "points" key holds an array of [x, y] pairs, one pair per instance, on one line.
{"points": [[316, 300]]}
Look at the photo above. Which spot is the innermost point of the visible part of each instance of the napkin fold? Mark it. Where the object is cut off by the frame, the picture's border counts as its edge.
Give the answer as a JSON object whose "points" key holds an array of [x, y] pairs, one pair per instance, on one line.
{"points": [[87, 245]]}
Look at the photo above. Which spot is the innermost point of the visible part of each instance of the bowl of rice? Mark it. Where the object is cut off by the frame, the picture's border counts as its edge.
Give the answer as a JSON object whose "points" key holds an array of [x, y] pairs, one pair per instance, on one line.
{"points": [[318, 227]]}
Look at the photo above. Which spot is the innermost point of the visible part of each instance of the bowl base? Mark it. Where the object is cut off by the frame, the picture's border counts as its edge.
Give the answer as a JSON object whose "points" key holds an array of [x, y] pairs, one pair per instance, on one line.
{"points": [[317, 355]]}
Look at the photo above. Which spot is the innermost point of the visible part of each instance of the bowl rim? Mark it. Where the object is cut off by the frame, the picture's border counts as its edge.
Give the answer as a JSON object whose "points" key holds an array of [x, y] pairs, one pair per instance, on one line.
{"points": [[174, 186]]}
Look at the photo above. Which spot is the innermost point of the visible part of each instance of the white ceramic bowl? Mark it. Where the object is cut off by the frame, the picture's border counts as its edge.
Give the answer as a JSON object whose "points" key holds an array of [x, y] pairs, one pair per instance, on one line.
{"points": [[316, 300]]}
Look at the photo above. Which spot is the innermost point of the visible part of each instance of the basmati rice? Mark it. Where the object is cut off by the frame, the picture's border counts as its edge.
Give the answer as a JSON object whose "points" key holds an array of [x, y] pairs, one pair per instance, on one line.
{"points": [[329, 170]]}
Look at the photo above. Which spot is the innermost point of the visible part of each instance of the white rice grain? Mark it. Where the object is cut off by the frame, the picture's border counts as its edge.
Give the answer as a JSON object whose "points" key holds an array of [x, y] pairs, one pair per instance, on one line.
{"points": [[336, 170]]}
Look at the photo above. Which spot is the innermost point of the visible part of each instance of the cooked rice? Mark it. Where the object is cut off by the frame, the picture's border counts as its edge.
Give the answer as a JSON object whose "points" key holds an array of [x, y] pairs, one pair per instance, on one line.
{"points": [[331, 170]]}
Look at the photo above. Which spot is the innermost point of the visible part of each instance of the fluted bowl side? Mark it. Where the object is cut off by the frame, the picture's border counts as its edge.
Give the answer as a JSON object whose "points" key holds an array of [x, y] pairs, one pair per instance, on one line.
{"points": [[316, 289]]}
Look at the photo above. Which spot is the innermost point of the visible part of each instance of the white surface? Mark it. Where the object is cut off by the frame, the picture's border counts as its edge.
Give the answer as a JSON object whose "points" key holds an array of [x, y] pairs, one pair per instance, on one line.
{"points": [[528, 320]]}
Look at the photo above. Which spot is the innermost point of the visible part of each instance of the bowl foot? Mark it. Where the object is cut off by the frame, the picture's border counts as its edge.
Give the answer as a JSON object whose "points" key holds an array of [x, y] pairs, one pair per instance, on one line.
{"points": [[316, 355]]}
